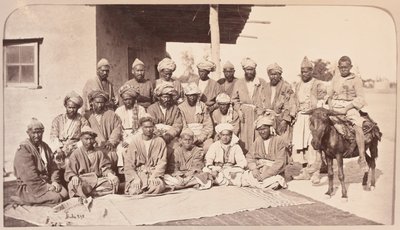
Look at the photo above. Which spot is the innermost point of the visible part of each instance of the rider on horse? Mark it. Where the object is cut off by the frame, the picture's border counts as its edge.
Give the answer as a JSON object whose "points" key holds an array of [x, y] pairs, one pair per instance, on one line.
{"points": [[346, 95]]}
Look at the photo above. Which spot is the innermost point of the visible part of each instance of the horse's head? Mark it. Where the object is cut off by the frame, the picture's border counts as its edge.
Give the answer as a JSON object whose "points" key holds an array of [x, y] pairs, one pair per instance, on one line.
{"points": [[319, 124]]}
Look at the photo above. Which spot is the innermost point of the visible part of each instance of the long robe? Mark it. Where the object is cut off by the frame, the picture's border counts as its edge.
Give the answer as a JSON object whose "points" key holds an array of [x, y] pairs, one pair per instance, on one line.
{"points": [[251, 106], [145, 89], [172, 118], [284, 104], [62, 136], [226, 86], [34, 177], [92, 173], [96, 84], [197, 114], [210, 92], [109, 128], [271, 161], [142, 165]]}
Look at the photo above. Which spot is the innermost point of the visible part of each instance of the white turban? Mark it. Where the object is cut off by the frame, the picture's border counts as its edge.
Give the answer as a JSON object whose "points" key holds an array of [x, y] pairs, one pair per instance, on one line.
{"points": [[248, 62], [306, 63], [228, 65], [223, 98], [207, 65], [74, 97], [166, 63], [137, 62], [87, 130], [267, 119], [223, 126], [191, 89], [103, 62], [164, 88], [274, 66]]}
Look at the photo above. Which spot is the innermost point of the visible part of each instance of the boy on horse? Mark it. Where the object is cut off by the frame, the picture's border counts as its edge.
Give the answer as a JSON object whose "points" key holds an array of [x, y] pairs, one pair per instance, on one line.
{"points": [[346, 95]]}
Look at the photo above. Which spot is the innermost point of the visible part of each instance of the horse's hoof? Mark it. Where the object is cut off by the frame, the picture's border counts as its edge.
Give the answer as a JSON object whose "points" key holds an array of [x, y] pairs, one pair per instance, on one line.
{"points": [[366, 188], [327, 196], [372, 188], [344, 199]]}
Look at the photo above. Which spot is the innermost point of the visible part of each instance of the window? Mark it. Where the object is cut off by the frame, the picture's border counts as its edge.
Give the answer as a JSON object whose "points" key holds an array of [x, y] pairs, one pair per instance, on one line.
{"points": [[21, 62]]}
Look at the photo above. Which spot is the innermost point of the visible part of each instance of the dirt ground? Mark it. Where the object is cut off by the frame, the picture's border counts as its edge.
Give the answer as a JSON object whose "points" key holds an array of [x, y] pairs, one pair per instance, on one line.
{"points": [[374, 205]]}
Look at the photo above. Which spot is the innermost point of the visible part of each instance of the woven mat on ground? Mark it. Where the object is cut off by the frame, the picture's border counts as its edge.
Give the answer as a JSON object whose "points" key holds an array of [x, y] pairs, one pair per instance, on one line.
{"points": [[143, 210]]}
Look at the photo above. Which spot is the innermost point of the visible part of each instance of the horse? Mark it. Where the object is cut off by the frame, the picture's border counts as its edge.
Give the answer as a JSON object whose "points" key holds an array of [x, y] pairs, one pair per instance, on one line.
{"points": [[333, 145]]}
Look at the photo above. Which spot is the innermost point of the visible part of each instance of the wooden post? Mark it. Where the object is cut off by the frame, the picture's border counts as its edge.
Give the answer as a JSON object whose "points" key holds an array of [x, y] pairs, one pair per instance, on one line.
{"points": [[215, 40]]}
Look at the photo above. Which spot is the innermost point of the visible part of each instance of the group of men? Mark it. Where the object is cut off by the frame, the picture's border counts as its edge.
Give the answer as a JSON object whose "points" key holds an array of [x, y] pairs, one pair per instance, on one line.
{"points": [[167, 135]]}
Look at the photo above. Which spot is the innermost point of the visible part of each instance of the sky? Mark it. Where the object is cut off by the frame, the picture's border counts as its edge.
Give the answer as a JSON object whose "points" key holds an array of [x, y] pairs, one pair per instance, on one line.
{"points": [[365, 34]]}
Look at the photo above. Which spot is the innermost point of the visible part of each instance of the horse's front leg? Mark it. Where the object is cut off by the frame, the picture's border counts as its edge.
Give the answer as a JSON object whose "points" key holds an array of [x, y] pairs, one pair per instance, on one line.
{"points": [[329, 162], [339, 158], [372, 167]]}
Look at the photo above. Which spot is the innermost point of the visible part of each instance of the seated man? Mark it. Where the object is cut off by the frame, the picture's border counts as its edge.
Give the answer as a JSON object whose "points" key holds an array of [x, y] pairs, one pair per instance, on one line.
{"points": [[166, 114], [38, 178], [129, 113], [89, 169], [196, 117], [66, 128], [184, 169], [226, 113], [106, 124], [224, 158], [145, 161], [267, 157]]}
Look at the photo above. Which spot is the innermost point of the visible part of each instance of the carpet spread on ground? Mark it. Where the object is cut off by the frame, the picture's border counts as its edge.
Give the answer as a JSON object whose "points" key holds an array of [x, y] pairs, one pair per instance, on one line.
{"points": [[144, 210]]}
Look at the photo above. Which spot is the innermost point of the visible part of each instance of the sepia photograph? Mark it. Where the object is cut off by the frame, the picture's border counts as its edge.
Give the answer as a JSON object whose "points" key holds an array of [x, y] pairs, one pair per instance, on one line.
{"points": [[199, 114]]}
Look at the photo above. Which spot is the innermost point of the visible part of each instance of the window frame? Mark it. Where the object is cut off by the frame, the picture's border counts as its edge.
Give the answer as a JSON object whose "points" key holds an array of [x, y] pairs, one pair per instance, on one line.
{"points": [[35, 42]]}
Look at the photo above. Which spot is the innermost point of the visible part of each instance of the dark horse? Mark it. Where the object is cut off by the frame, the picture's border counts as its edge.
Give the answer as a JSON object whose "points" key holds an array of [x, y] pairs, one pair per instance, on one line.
{"points": [[334, 145]]}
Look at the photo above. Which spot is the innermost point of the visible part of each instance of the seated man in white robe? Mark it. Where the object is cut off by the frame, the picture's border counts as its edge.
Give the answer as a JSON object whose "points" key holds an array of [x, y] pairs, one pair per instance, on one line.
{"points": [[184, 169], [225, 158]]}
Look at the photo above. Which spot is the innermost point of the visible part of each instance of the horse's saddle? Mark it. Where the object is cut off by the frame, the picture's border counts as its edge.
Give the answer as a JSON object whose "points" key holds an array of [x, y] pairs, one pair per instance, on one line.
{"points": [[346, 128]]}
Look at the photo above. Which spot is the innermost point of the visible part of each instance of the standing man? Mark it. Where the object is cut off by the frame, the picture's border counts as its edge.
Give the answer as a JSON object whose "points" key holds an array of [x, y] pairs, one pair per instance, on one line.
{"points": [[250, 98], [346, 95], [306, 96], [100, 82], [208, 87], [281, 97], [89, 169], [165, 69], [229, 79], [196, 117], [38, 178], [145, 161], [106, 124], [143, 86]]}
